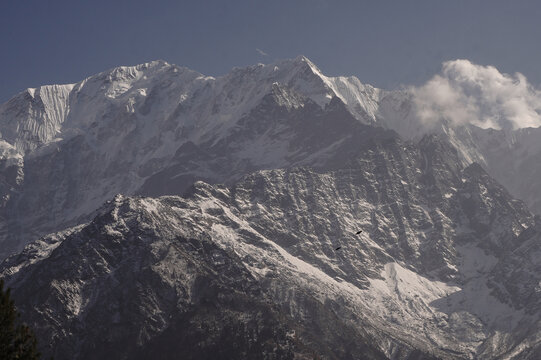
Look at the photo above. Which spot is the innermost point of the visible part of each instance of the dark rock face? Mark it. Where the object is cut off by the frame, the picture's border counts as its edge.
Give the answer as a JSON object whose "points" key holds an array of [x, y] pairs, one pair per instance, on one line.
{"points": [[135, 287], [251, 270]]}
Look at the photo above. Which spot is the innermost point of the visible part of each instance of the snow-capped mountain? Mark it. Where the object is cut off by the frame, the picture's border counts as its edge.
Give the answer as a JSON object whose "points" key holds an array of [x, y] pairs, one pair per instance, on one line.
{"points": [[446, 264], [154, 129]]}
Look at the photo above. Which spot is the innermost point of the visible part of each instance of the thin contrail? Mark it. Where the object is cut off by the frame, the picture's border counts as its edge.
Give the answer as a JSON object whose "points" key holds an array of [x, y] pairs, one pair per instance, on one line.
{"points": [[261, 52]]}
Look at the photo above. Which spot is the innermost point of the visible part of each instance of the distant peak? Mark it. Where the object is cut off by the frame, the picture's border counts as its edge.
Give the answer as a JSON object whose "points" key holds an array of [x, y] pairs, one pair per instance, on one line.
{"points": [[153, 64], [132, 70], [31, 91], [299, 62], [301, 59], [156, 64]]}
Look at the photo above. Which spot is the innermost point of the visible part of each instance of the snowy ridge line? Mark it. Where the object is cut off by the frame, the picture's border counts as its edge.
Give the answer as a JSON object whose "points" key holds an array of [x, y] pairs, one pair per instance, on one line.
{"points": [[53, 109]]}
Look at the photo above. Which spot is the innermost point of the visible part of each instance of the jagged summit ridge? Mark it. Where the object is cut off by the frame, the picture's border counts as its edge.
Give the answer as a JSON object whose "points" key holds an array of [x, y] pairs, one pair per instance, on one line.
{"points": [[53, 107]]}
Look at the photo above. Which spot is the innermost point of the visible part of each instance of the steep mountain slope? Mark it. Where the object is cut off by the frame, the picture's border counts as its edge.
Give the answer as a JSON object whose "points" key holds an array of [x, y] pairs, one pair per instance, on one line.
{"points": [[154, 129], [145, 279], [425, 274]]}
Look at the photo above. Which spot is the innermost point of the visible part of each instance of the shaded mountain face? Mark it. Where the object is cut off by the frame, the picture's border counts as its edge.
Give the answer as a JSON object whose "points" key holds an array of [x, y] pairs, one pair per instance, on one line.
{"points": [[254, 266], [511, 156], [446, 264]]}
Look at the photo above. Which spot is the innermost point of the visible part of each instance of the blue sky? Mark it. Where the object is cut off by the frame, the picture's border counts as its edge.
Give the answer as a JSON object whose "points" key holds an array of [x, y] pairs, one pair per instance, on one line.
{"points": [[384, 43]]}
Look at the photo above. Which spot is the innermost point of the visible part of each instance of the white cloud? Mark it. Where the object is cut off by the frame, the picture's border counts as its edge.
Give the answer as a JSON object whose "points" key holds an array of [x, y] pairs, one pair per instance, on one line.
{"points": [[261, 52], [480, 95]]}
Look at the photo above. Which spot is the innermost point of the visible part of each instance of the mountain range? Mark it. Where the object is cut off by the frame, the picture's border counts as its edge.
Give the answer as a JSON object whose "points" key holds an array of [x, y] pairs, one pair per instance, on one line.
{"points": [[154, 210]]}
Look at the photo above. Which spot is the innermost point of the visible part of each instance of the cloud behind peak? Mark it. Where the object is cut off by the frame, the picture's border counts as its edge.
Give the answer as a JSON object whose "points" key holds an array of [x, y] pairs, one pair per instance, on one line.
{"points": [[481, 95]]}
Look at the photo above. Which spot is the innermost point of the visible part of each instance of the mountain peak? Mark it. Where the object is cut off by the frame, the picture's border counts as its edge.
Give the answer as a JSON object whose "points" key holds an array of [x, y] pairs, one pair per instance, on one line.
{"points": [[131, 72], [304, 59], [300, 62]]}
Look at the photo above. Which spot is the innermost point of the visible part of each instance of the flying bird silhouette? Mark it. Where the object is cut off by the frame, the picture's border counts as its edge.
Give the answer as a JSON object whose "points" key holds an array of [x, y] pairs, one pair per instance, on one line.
{"points": [[338, 248], [358, 232]]}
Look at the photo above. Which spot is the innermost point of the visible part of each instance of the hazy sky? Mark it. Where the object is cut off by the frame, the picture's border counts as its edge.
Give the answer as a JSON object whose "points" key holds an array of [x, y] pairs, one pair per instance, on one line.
{"points": [[384, 43]]}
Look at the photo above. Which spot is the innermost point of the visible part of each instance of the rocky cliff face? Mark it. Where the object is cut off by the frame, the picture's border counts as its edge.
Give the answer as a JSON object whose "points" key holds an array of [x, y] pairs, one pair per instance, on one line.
{"points": [[252, 264], [145, 280]]}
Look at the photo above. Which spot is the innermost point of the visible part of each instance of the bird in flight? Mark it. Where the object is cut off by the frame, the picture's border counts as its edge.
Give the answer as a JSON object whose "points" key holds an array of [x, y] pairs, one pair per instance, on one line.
{"points": [[357, 233]]}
